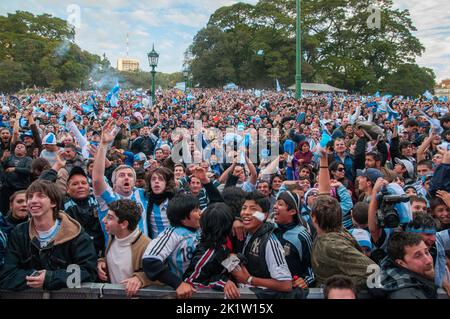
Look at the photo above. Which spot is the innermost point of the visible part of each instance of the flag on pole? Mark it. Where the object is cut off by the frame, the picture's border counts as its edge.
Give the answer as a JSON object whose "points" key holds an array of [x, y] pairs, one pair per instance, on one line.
{"points": [[113, 97], [278, 86]]}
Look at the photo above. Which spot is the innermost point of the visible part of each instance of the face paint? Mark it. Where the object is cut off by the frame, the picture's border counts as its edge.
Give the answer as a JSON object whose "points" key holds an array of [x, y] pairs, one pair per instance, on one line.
{"points": [[259, 216]]}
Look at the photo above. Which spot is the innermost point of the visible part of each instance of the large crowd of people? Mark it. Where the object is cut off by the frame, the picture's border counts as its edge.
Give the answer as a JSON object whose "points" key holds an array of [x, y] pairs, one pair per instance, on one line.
{"points": [[221, 190]]}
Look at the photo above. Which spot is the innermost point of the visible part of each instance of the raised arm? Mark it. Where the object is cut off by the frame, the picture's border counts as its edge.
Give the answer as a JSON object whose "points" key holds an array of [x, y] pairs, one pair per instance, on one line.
{"points": [[252, 169], [98, 171], [375, 231], [82, 141], [16, 130], [324, 175], [33, 127], [223, 178], [423, 147]]}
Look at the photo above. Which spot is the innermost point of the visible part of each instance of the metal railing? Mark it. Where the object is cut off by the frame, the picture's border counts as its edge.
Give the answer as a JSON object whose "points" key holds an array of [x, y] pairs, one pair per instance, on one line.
{"points": [[111, 291]]}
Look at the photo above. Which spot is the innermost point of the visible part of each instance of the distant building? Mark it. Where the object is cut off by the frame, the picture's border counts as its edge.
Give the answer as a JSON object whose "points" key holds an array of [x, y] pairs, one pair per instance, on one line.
{"points": [[443, 89], [127, 64]]}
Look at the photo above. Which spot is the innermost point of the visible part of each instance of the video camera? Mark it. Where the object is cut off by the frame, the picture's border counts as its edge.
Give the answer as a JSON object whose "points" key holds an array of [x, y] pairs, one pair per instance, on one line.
{"points": [[387, 215]]}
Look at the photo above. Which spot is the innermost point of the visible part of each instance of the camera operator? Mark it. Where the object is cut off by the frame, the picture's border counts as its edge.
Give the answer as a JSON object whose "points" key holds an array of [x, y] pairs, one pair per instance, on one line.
{"points": [[380, 235]]}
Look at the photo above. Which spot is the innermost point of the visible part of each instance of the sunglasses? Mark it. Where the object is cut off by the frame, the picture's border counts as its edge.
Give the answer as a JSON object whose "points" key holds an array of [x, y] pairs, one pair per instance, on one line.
{"points": [[340, 169]]}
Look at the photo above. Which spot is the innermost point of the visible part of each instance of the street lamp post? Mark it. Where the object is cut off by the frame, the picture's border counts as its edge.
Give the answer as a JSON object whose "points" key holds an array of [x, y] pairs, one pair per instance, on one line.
{"points": [[185, 76], [153, 57], [298, 64]]}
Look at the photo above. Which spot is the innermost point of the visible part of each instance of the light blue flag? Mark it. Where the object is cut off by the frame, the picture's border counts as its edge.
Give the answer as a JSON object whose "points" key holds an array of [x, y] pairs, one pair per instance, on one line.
{"points": [[190, 97], [260, 53], [428, 95], [113, 96], [42, 100], [373, 106], [392, 114], [377, 94], [113, 101], [278, 86], [174, 101], [325, 139], [433, 122], [87, 108]]}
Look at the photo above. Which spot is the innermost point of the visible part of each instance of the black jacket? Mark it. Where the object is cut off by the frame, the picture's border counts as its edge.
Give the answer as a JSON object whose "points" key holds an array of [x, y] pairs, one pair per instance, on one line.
{"points": [[8, 222], [85, 211], [205, 269], [20, 178], [72, 245]]}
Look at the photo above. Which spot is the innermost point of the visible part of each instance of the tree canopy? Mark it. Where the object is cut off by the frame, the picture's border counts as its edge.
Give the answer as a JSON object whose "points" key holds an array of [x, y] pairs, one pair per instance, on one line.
{"points": [[39, 51], [253, 45]]}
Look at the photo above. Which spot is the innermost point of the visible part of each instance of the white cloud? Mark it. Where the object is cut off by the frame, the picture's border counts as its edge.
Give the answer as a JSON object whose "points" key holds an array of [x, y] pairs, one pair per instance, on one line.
{"points": [[432, 20], [172, 24]]}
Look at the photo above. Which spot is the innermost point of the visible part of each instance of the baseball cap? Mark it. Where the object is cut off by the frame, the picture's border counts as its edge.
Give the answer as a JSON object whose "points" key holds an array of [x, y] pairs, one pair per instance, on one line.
{"points": [[49, 139], [140, 157], [27, 133], [371, 173], [76, 170], [407, 164]]}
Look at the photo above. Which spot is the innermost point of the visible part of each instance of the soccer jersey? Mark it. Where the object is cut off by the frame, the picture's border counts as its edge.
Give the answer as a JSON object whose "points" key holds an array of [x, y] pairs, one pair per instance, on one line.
{"points": [[158, 219], [175, 246], [109, 196]]}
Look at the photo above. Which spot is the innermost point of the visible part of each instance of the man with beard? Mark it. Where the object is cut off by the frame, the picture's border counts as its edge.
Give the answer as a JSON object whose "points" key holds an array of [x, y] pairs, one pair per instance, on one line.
{"points": [[437, 243], [407, 271]]}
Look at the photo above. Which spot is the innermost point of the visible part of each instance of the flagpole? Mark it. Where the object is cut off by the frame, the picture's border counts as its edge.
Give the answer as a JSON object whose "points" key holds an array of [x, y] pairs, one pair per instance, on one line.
{"points": [[298, 75]]}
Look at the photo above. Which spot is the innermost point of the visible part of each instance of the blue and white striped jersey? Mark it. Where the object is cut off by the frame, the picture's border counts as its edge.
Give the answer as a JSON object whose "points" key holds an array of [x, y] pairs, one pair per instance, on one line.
{"points": [[109, 196], [158, 219], [175, 246]]}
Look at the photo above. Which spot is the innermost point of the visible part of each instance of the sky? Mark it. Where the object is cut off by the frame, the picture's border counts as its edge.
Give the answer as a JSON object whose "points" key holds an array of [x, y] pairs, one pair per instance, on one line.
{"points": [[172, 24]]}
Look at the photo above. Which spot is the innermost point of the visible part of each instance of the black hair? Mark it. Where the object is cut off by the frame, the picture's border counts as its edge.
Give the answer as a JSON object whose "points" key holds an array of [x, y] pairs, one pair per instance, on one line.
{"points": [[127, 210], [259, 199], [376, 156], [234, 197], [180, 207], [334, 165], [435, 202], [398, 242], [411, 123], [216, 223], [140, 173], [338, 282], [422, 220]]}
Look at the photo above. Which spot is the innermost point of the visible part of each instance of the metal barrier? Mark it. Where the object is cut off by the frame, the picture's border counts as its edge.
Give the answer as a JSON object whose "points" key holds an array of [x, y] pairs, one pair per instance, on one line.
{"points": [[110, 291]]}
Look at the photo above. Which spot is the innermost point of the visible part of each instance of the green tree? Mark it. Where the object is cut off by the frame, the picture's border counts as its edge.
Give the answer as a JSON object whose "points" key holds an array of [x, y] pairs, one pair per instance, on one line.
{"points": [[12, 75], [338, 47], [410, 80]]}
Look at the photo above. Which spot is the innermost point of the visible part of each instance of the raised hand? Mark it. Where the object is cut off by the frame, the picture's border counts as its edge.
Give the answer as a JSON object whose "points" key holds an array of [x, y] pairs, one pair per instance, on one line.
{"points": [[108, 131]]}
